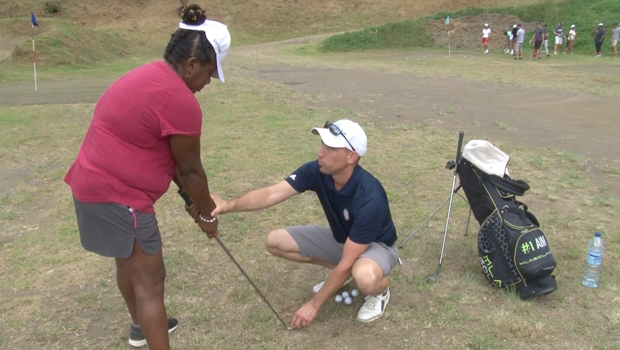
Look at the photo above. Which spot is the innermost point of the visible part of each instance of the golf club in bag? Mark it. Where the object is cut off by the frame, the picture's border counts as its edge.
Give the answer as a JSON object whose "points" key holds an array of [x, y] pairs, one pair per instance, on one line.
{"points": [[188, 201]]}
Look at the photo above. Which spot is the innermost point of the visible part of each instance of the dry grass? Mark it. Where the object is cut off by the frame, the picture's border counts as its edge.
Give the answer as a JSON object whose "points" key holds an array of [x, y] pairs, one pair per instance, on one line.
{"points": [[57, 296], [250, 21]]}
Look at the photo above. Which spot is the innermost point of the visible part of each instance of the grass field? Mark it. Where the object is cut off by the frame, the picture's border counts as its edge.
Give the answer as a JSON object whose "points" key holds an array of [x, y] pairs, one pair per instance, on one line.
{"points": [[54, 295], [57, 296]]}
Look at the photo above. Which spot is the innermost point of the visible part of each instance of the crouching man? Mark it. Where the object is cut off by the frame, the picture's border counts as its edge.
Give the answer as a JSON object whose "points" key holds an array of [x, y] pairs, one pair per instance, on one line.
{"points": [[358, 244]]}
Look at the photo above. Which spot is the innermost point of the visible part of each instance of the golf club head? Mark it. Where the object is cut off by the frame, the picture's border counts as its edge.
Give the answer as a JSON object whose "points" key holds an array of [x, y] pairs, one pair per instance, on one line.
{"points": [[432, 278]]}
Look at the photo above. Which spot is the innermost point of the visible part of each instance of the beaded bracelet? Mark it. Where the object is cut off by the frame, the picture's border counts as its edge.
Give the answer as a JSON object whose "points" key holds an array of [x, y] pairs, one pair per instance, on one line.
{"points": [[213, 219]]}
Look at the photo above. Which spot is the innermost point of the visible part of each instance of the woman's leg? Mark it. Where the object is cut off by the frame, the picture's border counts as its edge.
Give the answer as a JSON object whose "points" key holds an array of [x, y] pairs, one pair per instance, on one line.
{"points": [[141, 279]]}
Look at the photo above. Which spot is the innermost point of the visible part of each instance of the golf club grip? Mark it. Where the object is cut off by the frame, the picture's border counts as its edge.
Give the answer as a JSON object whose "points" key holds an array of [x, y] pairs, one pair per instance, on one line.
{"points": [[185, 196], [458, 151], [188, 201]]}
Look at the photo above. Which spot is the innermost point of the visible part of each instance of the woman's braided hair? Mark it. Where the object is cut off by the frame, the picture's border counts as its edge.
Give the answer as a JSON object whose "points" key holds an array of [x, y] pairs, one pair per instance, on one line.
{"points": [[186, 43]]}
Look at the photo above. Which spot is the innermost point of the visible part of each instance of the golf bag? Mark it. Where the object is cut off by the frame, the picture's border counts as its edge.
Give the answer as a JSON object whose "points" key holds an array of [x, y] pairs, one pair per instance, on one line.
{"points": [[513, 251]]}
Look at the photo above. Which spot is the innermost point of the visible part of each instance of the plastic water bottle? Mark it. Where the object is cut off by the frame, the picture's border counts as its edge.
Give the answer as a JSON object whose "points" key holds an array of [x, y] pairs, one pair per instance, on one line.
{"points": [[595, 259]]}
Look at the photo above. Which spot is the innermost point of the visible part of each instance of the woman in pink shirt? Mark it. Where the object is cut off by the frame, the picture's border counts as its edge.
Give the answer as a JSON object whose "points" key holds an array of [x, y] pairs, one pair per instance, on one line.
{"points": [[145, 132]]}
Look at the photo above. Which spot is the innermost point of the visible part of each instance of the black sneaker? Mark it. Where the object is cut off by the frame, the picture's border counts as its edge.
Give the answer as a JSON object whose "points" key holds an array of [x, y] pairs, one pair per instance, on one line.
{"points": [[136, 338]]}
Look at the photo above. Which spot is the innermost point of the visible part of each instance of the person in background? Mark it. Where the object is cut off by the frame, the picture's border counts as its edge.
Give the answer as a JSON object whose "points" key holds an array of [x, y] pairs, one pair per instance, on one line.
{"points": [[537, 39], [572, 37], [599, 38], [519, 43], [145, 132], [615, 36], [546, 39], [486, 34], [514, 38], [508, 35], [559, 34]]}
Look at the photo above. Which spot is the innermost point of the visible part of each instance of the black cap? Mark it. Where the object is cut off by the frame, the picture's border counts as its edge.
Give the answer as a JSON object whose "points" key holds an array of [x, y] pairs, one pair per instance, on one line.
{"points": [[537, 22], [615, 23], [561, 23]]}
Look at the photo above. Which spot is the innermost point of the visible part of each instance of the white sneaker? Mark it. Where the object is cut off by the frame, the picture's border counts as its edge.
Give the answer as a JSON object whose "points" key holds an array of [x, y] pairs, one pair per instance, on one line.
{"points": [[512, 52], [317, 287], [374, 306], [486, 51]]}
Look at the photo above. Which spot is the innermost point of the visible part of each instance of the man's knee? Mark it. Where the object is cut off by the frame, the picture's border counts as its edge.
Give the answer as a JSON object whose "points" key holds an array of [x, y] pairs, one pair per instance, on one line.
{"points": [[367, 275], [277, 241]]}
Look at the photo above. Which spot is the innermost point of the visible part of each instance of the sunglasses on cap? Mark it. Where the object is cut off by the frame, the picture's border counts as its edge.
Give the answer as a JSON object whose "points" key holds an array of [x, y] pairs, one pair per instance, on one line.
{"points": [[335, 130]]}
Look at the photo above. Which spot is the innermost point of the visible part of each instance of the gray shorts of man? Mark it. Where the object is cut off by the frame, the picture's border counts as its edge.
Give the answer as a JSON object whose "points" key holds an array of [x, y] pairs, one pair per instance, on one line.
{"points": [[318, 242]]}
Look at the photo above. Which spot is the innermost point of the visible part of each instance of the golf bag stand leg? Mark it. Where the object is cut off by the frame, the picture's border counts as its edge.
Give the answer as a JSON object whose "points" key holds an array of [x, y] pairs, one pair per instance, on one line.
{"points": [[435, 277], [423, 223], [467, 227]]}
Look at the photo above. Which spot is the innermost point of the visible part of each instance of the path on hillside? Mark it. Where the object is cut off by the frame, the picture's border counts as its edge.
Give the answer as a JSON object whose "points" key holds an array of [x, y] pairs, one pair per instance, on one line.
{"points": [[582, 123]]}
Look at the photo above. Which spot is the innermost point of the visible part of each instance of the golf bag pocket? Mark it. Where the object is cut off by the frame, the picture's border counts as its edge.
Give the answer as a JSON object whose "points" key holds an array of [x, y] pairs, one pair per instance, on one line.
{"points": [[516, 253], [532, 255], [496, 255]]}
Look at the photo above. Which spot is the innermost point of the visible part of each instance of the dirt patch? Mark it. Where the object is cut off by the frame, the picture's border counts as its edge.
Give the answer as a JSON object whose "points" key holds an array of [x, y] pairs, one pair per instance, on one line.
{"points": [[65, 91], [529, 117], [7, 46]]}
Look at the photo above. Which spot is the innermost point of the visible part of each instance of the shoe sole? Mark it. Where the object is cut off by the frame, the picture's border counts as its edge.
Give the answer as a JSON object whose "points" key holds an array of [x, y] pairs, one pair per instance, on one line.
{"points": [[142, 343], [381, 314]]}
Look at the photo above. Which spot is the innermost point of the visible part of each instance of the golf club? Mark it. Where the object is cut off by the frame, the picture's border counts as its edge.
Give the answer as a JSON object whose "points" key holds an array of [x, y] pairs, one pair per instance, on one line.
{"points": [[435, 277], [188, 201]]}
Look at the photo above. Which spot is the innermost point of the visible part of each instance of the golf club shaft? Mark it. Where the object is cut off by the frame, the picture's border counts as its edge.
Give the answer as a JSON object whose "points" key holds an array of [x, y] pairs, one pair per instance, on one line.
{"points": [[456, 167], [188, 201]]}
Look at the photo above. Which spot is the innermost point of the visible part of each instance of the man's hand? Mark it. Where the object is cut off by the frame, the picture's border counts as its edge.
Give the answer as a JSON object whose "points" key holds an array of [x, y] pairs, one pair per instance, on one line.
{"points": [[304, 316], [221, 206]]}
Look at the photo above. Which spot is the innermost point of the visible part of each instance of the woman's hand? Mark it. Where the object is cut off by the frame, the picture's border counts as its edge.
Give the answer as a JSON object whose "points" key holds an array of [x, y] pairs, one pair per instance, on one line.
{"points": [[192, 211], [210, 228]]}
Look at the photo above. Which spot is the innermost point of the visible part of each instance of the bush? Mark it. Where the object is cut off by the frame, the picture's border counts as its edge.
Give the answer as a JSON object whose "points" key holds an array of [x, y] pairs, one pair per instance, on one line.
{"points": [[399, 34], [51, 7]]}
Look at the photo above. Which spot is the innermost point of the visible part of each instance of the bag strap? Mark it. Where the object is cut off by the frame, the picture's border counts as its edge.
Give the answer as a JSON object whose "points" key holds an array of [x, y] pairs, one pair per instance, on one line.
{"points": [[516, 187], [521, 209]]}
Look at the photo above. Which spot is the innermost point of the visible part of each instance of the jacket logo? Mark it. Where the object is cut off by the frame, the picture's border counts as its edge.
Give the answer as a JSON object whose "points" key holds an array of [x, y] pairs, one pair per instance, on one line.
{"points": [[345, 213]]}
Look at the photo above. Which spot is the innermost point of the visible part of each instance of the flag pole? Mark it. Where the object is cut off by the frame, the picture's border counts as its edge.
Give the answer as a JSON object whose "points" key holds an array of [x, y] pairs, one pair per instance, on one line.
{"points": [[448, 24], [34, 61]]}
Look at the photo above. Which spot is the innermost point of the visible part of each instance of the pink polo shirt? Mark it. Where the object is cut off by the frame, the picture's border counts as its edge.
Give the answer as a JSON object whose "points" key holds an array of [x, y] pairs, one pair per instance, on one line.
{"points": [[125, 157]]}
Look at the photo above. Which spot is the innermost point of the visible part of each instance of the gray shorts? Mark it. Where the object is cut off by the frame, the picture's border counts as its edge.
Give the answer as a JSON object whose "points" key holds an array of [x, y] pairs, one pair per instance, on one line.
{"points": [[110, 229], [318, 242]]}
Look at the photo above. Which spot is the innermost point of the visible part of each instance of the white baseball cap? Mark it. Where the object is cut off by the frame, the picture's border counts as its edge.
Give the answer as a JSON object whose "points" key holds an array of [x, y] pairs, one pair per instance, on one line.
{"points": [[572, 26], [486, 24], [600, 24], [343, 134], [219, 37]]}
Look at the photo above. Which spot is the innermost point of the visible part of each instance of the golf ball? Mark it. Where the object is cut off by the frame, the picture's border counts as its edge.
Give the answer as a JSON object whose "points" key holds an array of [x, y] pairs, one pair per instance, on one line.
{"points": [[348, 300], [338, 298], [355, 293], [345, 294]]}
